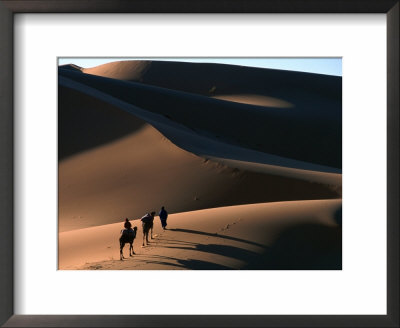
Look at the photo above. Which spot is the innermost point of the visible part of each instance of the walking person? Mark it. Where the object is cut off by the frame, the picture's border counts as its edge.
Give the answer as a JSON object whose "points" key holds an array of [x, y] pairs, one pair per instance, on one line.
{"points": [[163, 217]]}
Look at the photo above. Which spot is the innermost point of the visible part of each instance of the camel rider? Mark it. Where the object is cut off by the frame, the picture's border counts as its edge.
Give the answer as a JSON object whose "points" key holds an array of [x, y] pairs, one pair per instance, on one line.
{"points": [[148, 217], [127, 224], [128, 227]]}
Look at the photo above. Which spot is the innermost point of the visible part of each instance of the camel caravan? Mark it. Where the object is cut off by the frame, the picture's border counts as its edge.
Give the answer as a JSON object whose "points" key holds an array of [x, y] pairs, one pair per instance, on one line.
{"points": [[128, 234]]}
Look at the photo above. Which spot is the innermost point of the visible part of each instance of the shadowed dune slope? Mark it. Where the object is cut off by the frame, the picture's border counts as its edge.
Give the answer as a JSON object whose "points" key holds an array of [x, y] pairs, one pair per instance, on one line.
{"points": [[85, 122], [71, 67], [288, 132]]}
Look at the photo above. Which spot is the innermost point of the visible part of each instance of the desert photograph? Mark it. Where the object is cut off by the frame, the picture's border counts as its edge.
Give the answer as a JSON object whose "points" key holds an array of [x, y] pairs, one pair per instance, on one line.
{"points": [[199, 164]]}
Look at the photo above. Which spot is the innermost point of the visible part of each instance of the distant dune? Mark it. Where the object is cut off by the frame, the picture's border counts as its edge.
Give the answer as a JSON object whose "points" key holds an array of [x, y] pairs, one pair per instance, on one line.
{"points": [[213, 139], [71, 67], [178, 93], [218, 79]]}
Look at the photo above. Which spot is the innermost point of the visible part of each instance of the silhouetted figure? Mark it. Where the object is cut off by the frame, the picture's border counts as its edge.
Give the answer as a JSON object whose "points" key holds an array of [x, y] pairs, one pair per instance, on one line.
{"points": [[147, 225], [127, 224], [163, 217], [127, 236]]}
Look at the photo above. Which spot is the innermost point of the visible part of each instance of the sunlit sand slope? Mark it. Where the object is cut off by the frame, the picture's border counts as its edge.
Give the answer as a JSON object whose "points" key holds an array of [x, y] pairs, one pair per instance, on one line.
{"points": [[282, 235], [143, 171]]}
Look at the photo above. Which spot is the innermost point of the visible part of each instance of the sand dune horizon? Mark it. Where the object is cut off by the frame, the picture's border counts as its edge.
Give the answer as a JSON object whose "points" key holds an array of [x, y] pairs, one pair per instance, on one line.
{"points": [[164, 105]]}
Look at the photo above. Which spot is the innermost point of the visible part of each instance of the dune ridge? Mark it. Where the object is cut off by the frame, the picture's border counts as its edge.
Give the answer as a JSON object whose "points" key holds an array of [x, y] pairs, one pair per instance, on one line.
{"points": [[256, 100], [219, 79], [265, 134], [124, 179]]}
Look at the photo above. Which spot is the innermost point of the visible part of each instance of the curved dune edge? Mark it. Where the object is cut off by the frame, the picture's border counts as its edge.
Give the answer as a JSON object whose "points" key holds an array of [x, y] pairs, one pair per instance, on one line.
{"points": [[197, 141], [121, 70], [257, 100], [163, 95], [126, 178], [261, 236], [332, 179]]}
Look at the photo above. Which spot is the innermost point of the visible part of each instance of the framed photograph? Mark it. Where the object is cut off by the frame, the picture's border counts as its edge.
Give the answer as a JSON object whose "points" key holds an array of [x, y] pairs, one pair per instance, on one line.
{"points": [[203, 164], [230, 195]]}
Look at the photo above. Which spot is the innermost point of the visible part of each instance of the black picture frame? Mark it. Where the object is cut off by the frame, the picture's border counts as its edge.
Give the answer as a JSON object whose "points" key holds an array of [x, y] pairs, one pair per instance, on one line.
{"points": [[10, 7]]}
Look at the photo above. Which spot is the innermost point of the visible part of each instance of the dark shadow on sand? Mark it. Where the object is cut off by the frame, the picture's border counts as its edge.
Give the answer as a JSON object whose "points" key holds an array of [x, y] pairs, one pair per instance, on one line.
{"points": [[338, 216], [190, 264], [85, 122], [305, 247], [224, 250], [202, 265], [218, 236]]}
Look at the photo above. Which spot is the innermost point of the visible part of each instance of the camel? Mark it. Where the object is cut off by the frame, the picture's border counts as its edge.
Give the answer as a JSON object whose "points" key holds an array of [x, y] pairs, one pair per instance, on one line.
{"points": [[127, 236], [147, 225]]}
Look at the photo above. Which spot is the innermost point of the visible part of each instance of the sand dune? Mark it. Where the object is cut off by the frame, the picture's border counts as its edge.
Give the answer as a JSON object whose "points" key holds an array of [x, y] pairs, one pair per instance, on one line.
{"points": [[238, 237], [285, 132], [218, 79], [143, 171], [256, 100], [247, 162], [334, 180], [85, 122], [71, 67], [121, 70], [202, 143]]}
